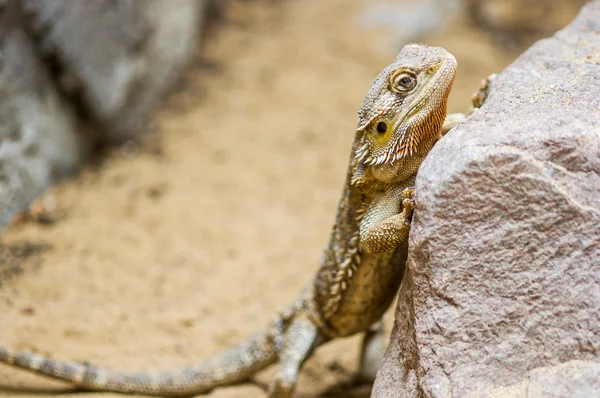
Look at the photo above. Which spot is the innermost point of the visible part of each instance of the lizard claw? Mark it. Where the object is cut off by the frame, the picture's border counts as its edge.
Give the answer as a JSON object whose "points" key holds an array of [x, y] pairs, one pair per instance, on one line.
{"points": [[480, 96], [408, 203], [409, 193]]}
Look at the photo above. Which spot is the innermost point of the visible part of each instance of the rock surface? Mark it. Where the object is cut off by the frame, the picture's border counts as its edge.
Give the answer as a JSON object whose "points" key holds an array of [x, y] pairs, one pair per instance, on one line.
{"points": [[502, 297]]}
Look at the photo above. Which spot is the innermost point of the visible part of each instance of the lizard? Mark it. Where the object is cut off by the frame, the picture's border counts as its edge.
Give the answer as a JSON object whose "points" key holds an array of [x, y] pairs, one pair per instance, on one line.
{"points": [[360, 269]]}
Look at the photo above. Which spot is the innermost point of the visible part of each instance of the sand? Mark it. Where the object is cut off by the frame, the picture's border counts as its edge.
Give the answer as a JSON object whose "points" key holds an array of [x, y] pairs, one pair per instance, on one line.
{"points": [[168, 252]]}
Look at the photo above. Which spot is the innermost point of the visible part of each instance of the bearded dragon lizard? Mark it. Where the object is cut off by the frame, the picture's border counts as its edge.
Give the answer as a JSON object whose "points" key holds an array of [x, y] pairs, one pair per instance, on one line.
{"points": [[360, 270]]}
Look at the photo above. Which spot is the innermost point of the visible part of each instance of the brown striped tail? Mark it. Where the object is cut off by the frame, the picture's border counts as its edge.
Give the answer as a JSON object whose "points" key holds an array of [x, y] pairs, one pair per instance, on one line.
{"points": [[231, 366]]}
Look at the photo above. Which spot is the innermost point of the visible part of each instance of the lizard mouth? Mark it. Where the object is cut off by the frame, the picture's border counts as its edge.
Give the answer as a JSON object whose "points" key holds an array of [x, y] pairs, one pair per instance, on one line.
{"points": [[406, 137]]}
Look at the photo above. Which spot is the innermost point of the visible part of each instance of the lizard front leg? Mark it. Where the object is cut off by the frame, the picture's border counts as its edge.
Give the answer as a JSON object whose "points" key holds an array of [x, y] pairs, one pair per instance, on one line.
{"points": [[382, 228]]}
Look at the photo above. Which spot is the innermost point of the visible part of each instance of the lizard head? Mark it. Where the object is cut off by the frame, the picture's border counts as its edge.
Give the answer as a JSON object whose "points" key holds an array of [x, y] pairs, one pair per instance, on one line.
{"points": [[405, 107]]}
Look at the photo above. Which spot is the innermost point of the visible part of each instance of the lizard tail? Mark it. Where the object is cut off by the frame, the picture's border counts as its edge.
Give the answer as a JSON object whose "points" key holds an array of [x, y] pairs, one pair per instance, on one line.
{"points": [[233, 365]]}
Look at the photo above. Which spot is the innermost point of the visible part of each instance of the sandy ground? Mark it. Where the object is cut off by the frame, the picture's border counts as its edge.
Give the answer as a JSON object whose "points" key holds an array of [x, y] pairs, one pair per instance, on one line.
{"points": [[167, 254]]}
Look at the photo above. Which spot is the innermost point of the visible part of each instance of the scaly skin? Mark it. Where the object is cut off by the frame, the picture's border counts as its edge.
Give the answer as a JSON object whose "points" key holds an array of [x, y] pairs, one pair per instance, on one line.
{"points": [[360, 271]]}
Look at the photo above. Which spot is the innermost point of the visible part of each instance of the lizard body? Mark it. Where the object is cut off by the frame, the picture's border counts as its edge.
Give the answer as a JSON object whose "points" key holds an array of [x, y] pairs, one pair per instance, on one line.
{"points": [[360, 269]]}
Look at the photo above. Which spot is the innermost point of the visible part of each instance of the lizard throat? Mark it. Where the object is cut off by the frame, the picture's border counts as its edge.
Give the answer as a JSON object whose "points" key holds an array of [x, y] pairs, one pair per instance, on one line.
{"points": [[406, 143]]}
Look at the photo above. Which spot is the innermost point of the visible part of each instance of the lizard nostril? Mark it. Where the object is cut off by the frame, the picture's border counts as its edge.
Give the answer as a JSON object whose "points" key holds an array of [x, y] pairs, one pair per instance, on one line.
{"points": [[381, 127]]}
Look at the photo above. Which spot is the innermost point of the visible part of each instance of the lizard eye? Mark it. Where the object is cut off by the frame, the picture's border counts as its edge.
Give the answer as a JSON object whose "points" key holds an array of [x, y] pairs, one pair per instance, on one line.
{"points": [[403, 82]]}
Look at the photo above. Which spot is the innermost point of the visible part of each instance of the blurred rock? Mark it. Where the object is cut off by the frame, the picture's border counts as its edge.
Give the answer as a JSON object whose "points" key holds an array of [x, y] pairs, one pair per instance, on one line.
{"points": [[408, 20], [38, 140], [502, 296], [101, 63], [118, 56], [519, 23]]}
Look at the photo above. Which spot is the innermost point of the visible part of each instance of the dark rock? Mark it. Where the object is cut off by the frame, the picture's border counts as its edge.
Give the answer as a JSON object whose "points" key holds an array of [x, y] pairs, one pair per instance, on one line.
{"points": [[103, 65], [118, 56], [502, 296], [38, 140]]}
